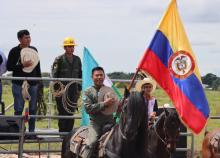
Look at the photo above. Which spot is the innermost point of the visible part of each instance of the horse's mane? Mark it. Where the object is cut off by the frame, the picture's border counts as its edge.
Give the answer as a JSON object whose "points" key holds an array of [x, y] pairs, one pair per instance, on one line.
{"points": [[135, 99], [136, 108], [139, 108], [172, 119]]}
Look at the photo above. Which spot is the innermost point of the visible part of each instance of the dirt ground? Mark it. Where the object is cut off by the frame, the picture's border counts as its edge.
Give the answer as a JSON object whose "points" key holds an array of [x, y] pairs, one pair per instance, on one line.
{"points": [[28, 156]]}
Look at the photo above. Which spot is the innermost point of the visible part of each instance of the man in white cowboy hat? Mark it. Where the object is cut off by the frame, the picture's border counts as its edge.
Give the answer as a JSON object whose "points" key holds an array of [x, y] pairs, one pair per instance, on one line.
{"points": [[67, 65], [3, 69], [147, 86], [24, 64]]}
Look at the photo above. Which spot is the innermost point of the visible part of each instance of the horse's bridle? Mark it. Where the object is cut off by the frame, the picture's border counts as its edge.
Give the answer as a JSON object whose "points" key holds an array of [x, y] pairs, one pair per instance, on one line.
{"points": [[165, 140], [155, 130]]}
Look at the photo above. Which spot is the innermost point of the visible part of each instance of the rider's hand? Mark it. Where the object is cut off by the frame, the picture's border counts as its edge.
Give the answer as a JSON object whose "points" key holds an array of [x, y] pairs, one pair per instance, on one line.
{"points": [[153, 115], [27, 63], [109, 101]]}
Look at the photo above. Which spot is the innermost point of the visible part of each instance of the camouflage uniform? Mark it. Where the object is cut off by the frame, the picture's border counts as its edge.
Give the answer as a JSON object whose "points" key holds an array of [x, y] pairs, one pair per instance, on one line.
{"points": [[63, 68], [97, 119]]}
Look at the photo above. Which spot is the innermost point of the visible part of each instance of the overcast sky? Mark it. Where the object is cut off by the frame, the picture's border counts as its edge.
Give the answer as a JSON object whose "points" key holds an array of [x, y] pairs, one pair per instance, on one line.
{"points": [[117, 32]]}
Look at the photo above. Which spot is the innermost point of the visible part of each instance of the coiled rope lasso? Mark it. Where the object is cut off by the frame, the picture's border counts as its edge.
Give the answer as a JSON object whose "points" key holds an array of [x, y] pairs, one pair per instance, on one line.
{"points": [[58, 89], [24, 91], [69, 93]]}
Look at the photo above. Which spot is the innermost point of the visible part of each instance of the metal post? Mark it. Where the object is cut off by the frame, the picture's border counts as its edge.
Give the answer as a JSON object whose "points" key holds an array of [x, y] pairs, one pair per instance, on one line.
{"points": [[21, 137], [192, 145], [49, 112]]}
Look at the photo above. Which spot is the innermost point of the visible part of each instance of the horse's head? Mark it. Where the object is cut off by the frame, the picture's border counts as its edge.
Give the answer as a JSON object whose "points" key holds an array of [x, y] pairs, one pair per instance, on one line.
{"points": [[133, 115], [171, 128]]}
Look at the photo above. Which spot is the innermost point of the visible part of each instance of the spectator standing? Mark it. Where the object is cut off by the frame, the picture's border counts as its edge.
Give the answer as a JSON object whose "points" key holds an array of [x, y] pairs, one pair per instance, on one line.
{"points": [[67, 65], [18, 68]]}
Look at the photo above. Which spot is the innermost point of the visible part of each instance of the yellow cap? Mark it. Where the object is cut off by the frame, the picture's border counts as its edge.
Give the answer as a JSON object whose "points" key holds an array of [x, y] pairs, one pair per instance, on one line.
{"points": [[69, 41]]}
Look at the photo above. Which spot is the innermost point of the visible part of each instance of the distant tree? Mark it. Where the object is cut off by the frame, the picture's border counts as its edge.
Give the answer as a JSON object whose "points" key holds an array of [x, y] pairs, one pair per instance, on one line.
{"points": [[216, 84], [209, 79], [120, 75]]}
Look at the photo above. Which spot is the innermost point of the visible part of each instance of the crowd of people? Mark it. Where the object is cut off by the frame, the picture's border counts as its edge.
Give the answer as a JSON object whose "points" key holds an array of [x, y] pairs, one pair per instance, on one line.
{"points": [[67, 65], [23, 61]]}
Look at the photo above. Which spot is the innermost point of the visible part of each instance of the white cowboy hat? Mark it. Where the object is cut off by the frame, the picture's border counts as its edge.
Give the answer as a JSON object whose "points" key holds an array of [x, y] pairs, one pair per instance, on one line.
{"points": [[29, 54], [105, 93], [140, 83]]}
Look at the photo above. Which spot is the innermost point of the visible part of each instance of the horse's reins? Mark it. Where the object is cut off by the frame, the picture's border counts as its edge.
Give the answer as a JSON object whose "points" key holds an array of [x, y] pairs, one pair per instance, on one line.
{"points": [[123, 121], [164, 141], [123, 136]]}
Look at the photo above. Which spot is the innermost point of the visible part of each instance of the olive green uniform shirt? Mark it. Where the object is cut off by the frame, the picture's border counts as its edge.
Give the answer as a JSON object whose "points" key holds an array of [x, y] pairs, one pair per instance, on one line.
{"points": [[63, 68]]}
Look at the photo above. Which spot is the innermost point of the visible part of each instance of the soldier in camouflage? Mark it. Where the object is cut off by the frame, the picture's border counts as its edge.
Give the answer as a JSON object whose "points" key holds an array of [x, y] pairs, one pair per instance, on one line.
{"points": [[94, 108], [66, 65]]}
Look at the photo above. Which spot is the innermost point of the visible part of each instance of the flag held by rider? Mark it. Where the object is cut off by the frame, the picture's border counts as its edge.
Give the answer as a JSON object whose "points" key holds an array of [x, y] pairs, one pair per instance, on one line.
{"points": [[171, 62]]}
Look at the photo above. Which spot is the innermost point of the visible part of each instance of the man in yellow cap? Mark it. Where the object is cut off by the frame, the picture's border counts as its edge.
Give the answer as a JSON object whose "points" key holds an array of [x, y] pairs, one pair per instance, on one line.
{"points": [[66, 65]]}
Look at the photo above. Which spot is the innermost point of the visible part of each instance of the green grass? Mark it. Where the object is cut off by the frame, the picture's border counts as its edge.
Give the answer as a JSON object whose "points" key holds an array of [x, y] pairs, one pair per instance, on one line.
{"points": [[40, 124], [213, 99]]}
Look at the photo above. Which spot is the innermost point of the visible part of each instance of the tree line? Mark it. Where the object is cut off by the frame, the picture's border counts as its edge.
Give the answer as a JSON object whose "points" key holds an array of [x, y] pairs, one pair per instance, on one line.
{"points": [[210, 80]]}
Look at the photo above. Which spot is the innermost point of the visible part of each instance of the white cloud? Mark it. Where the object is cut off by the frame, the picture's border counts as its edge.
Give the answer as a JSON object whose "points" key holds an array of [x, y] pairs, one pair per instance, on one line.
{"points": [[116, 30]]}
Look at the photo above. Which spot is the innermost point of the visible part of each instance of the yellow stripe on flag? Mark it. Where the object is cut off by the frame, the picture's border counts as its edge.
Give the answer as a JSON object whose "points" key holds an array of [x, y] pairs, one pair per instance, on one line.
{"points": [[172, 27]]}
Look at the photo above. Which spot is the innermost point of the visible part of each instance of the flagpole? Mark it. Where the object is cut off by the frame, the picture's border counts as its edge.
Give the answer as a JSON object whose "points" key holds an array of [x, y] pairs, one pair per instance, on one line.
{"points": [[133, 78], [129, 88]]}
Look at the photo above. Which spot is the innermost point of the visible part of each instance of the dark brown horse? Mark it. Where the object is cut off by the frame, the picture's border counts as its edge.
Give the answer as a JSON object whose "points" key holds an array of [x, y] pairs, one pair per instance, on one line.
{"points": [[128, 138], [211, 144], [163, 134]]}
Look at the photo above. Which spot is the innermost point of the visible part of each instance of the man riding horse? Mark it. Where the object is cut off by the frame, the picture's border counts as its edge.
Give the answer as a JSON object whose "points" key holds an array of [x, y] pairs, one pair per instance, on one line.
{"points": [[94, 109]]}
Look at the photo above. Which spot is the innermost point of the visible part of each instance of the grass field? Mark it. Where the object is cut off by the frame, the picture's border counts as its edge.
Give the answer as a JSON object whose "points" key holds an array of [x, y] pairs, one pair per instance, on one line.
{"points": [[213, 99]]}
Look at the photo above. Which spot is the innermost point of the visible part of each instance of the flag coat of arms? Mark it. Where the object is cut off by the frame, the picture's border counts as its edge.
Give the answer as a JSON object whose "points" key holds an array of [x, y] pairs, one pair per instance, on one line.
{"points": [[171, 62]]}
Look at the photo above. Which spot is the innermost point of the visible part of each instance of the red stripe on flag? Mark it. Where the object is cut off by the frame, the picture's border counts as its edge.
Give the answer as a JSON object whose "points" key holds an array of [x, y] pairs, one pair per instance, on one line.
{"points": [[187, 111]]}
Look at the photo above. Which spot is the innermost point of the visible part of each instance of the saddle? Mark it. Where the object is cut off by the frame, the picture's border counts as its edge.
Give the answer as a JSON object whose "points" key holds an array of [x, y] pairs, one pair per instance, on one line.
{"points": [[78, 141]]}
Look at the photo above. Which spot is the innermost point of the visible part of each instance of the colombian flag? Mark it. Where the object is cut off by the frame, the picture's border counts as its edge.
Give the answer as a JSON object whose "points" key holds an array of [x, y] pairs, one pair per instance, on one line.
{"points": [[171, 62]]}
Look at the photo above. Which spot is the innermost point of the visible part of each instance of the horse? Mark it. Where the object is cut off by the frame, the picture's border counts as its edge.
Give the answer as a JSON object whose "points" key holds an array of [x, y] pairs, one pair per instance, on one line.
{"points": [[163, 134], [128, 138], [211, 144]]}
